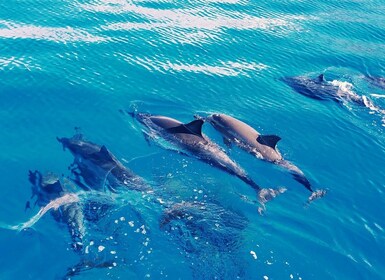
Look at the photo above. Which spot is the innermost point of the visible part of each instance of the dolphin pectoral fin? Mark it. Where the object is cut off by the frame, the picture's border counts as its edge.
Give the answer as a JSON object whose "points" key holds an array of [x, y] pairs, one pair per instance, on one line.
{"points": [[227, 142], [194, 127], [268, 140]]}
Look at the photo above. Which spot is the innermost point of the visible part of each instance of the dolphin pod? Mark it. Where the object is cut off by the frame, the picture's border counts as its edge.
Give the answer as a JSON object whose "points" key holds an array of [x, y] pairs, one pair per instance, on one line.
{"points": [[96, 170], [190, 140], [263, 147]]}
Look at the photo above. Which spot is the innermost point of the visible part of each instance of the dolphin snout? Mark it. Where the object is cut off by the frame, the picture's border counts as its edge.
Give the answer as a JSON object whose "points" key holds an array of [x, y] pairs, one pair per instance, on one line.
{"points": [[215, 119], [64, 141]]}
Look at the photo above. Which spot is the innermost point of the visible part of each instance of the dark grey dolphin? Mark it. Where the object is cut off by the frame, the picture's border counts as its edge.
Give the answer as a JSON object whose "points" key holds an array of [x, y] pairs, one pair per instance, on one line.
{"points": [[320, 89], [49, 187], [190, 140], [99, 167], [261, 146]]}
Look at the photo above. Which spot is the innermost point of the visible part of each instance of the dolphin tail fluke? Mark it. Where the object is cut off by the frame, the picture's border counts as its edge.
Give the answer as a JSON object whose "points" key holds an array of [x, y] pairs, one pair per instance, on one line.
{"points": [[265, 195], [314, 196]]}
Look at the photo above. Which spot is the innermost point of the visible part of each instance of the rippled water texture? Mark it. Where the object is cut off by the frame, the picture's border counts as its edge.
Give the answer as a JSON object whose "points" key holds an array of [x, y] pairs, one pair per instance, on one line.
{"points": [[67, 64]]}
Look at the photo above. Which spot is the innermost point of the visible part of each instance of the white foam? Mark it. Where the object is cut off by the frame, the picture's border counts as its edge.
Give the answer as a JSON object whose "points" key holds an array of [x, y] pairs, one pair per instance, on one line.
{"points": [[54, 204], [253, 254], [67, 34]]}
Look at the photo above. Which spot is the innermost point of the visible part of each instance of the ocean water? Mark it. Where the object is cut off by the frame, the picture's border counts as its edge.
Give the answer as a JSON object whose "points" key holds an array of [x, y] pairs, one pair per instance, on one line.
{"points": [[67, 64]]}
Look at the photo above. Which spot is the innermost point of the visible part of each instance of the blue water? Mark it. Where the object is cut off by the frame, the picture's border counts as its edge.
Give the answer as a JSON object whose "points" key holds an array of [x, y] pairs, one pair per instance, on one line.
{"points": [[66, 64]]}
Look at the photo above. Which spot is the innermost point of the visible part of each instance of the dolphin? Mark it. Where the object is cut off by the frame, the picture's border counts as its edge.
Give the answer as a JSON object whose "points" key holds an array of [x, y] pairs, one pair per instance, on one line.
{"points": [[262, 146], [320, 89], [188, 138], [99, 167], [50, 189]]}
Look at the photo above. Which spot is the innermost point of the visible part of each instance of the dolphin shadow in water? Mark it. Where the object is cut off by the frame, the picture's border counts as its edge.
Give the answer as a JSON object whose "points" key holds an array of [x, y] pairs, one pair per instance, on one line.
{"points": [[263, 147], [189, 140]]}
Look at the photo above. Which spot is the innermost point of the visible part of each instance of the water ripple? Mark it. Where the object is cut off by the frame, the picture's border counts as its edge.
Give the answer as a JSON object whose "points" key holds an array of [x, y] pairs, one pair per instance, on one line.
{"points": [[221, 68], [13, 30], [11, 63]]}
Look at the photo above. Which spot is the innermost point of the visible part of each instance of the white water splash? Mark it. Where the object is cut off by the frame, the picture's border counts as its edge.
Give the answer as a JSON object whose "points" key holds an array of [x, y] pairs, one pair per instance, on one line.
{"points": [[346, 92], [54, 204]]}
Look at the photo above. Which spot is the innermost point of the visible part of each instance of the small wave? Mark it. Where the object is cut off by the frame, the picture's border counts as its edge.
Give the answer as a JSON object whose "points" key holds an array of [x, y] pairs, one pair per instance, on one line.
{"points": [[11, 30], [221, 68], [208, 18]]}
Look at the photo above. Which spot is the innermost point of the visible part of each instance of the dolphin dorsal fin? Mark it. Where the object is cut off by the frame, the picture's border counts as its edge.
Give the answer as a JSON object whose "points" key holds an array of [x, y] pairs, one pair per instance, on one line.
{"points": [[104, 152], [321, 78], [268, 140], [194, 127]]}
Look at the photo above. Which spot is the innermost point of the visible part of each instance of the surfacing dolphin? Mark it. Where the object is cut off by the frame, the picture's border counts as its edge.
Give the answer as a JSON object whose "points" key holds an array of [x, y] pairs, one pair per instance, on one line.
{"points": [[320, 89], [188, 138], [262, 146], [99, 167], [341, 92]]}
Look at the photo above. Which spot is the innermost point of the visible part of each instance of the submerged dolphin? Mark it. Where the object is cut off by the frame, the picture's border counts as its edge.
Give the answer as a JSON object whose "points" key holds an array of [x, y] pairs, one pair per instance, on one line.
{"points": [[99, 167], [261, 146], [320, 89], [49, 189], [190, 140], [209, 235]]}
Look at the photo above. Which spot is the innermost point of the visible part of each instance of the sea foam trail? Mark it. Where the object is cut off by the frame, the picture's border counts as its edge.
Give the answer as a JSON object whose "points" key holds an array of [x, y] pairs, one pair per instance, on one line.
{"points": [[54, 204]]}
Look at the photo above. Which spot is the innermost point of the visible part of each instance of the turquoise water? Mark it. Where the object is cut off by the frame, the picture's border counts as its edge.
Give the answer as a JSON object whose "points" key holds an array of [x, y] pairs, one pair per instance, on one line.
{"points": [[66, 64]]}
